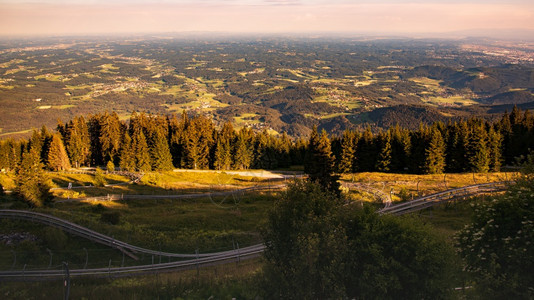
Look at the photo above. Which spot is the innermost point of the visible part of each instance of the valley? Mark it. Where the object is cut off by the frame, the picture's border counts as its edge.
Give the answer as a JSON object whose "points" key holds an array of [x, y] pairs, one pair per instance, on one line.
{"points": [[278, 84]]}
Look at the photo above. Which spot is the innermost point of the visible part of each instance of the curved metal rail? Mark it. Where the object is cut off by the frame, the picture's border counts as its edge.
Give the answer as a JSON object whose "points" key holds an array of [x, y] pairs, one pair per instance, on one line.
{"points": [[95, 236], [215, 259], [445, 196]]}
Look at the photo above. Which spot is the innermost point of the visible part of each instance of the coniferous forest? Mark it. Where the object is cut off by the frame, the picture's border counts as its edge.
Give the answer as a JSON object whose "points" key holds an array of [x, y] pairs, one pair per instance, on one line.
{"points": [[149, 142]]}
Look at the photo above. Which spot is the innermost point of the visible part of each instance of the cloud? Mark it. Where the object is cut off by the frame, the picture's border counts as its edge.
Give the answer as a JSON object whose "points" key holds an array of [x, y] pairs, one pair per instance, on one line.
{"points": [[282, 2]]}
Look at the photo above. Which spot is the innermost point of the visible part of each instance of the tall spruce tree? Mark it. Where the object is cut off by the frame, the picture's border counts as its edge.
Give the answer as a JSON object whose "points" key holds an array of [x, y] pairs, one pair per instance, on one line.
{"points": [[110, 136], [283, 148], [264, 153], [347, 152], [419, 141], [320, 163], [477, 151], [77, 141], [400, 148], [494, 147], [142, 156], [223, 155], [243, 151], [31, 183], [198, 143], [435, 153], [11, 153], [127, 154], [58, 159], [160, 153], [383, 163], [366, 152]]}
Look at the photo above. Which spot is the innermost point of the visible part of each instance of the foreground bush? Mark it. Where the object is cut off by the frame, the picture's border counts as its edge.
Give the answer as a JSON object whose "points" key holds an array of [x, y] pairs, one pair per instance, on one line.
{"points": [[318, 248], [498, 245]]}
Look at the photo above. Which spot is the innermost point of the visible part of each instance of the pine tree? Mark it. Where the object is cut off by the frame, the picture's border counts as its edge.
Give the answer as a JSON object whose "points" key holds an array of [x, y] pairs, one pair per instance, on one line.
{"points": [[435, 153], [384, 155], [198, 142], [110, 136], [36, 142], [161, 155], [223, 155], [366, 152], [78, 141], [400, 149], [320, 162], [58, 159], [142, 156], [494, 147], [477, 151], [176, 130], [11, 154], [347, 152], [242, 152], [46, 137], [93, 126], [31, 184], [264, 153], [110, 166], [419, 141], [283, 148], [127, 154]]}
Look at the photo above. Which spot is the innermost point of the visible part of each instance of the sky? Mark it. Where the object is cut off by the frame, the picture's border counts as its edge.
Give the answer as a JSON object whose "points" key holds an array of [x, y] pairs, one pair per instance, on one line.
{"points": [[395, 17]]}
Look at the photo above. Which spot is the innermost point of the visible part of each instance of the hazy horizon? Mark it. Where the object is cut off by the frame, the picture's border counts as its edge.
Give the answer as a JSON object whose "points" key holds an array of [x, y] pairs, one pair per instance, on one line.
{"points": [[384, 17]]}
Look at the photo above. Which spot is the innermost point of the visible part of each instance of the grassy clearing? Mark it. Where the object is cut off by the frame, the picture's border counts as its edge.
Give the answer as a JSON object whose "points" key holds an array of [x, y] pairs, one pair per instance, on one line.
{"points": [[329, 116], [62, 179], [457, 100], [108, 68], [78, 87], [246, 118], [177, 225], [431, 84], [50, 77], [364, 82]]}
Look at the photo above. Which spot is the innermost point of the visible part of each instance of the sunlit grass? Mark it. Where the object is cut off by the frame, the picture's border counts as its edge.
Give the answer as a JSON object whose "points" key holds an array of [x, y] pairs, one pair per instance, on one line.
{"points": [[416, 185], [457, 100]]}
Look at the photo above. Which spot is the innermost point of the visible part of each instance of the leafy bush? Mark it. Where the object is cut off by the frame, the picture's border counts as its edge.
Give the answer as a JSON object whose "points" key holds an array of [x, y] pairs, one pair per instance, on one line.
{"points": [[319, 248], [110, 167], [99, 178], [111, 217], [497, 246], [54, 238], [404, 195]]}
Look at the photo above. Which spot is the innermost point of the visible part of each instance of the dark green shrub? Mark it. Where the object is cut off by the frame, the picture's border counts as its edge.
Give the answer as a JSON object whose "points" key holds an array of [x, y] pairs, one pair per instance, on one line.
{"points": [[111, 217]]}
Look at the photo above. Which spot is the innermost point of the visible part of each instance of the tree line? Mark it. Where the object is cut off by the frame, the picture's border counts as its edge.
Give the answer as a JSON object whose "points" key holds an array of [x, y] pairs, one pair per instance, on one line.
{"points": [[149, 142], [153, 143]]}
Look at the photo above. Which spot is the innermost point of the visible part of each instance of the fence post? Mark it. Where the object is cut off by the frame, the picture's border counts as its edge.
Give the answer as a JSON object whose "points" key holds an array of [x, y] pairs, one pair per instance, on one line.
{"points": [[66, 281], [86, 258], [198, 270], [49, 252], [14, 259], [238, 254]]}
